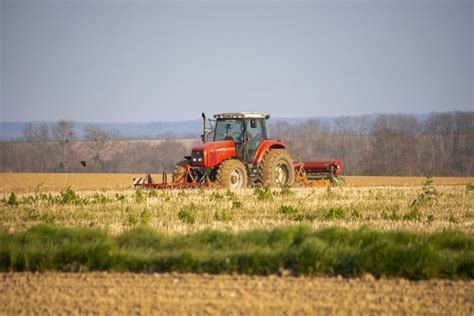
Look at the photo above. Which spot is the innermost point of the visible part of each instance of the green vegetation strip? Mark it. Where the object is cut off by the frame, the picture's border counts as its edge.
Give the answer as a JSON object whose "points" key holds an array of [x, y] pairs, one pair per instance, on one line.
{"points": [[298, 250]]}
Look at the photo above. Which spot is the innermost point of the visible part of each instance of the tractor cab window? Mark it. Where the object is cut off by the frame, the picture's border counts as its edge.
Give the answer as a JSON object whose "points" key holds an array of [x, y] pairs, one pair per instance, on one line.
{"points": [[255, 136], [230, 130]]}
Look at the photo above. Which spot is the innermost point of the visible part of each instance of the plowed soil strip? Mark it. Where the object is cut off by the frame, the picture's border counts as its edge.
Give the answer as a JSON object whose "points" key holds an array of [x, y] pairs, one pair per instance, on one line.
{"points": [[116, 293]]}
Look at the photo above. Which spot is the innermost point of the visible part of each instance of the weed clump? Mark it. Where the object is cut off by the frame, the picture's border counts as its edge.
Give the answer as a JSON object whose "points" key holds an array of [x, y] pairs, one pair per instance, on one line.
{"points": [[216, 196], [120, 197], [140, 197], [236, 204], [391, 214], [132, 218], [356, 214], [296, 214], [70, 197], [12, 199], [187, 214], [263, 193], [428, 195], [145, 217], [334, 213], [100, 198], [223, 215], [288, 210], [292, 213]]}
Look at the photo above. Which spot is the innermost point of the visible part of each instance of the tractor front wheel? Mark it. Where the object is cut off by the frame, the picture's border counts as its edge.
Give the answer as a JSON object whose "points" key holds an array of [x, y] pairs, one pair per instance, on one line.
{"points": [[232, 174], [276, 168]]}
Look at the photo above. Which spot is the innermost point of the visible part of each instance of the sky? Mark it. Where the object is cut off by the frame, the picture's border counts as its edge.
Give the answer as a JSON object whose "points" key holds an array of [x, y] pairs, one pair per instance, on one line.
{"points": [[140, 61]]}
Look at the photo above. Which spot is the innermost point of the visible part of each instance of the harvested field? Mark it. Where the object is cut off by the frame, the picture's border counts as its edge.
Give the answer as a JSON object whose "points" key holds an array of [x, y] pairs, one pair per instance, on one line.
{"points": [[364, 181], [383, 208], [49, 182], [125, 294], [107, 202]]}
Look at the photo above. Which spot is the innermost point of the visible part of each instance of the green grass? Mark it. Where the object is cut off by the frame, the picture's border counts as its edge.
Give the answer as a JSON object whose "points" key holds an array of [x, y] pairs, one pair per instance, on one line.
{"points": [[300, 250]]}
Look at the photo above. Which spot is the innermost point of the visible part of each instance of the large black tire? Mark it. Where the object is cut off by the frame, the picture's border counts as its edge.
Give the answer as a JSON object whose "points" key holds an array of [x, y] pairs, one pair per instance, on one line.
{"points": [[232, 174], [276, 168]]}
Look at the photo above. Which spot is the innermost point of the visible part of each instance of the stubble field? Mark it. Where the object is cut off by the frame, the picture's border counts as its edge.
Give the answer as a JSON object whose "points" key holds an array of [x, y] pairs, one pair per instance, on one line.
{"points": [[388, 227], [31, 182]]}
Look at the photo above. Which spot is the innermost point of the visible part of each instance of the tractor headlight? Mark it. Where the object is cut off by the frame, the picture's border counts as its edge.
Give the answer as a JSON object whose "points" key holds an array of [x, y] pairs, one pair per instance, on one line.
{"points": [[197, 156]]}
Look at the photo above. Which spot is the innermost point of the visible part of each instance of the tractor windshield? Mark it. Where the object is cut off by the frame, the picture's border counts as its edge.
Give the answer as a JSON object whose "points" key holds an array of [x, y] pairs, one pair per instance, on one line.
{"points": [[229, 130]]}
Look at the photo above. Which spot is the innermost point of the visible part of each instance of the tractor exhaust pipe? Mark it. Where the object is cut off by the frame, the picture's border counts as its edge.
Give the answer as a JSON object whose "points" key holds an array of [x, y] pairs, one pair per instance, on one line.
{"points": [[204, 128]]}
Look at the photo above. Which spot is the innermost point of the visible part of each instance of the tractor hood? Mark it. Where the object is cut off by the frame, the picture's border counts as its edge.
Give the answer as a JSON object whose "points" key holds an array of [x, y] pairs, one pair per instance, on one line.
{"points": [[210, 155], [220, 145]]}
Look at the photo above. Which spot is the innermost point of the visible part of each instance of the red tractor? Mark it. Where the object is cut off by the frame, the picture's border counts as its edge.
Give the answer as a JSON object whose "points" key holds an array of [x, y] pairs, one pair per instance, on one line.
{"points": [[241, 155]]}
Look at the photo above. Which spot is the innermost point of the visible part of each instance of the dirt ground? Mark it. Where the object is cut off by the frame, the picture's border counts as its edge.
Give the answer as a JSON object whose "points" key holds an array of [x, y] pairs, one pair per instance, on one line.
{"points": [[133, 294], [47, 182]]}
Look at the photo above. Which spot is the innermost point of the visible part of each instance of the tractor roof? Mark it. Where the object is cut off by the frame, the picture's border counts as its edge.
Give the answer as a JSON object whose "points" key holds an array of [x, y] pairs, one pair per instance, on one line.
{"points": [[239, 115]]}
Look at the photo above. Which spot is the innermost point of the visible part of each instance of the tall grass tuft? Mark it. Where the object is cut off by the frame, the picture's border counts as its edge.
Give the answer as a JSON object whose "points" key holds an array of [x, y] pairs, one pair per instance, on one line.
{"points": [[70, 197], [428, 195], [12, 199], [187, 214]]}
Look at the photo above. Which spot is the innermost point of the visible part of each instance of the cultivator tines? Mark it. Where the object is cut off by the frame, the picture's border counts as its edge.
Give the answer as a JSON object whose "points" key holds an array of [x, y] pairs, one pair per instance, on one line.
{"points": [[181, 179]]}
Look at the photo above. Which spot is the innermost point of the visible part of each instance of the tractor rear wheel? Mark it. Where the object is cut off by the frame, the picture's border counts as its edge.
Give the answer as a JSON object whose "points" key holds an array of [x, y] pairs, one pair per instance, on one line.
{"points": [[276, 168], [232, 174]]}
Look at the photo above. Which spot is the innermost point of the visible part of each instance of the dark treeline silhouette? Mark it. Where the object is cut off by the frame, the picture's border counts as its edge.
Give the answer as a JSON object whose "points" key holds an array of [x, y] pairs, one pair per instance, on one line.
{"points": [[387, 144]]}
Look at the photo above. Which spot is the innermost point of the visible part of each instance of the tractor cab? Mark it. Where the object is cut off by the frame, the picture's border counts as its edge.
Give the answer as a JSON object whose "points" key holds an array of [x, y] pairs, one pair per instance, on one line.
{"points": [[246, 130]]}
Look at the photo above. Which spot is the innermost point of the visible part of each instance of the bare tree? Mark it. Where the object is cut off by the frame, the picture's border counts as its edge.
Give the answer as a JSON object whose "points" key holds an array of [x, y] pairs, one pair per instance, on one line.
{"points": [[97, 138], [63, 133], [393, 149], [463, 138], [32, 133], [36, 137], [280, 130], [168, 153]]}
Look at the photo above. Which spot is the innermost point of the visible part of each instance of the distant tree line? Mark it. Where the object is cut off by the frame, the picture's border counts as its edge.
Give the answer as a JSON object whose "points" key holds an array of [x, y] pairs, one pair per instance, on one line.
{"points": [[390, 145], [57, 149]]}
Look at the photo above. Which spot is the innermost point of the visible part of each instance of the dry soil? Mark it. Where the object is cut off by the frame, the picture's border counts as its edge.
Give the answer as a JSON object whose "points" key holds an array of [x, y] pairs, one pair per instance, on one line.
{"points": [[45, 182], [161, 294]]}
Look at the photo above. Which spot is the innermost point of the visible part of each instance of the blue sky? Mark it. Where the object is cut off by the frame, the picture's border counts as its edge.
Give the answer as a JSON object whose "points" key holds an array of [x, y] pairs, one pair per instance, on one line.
{"points": [[138, 61]]}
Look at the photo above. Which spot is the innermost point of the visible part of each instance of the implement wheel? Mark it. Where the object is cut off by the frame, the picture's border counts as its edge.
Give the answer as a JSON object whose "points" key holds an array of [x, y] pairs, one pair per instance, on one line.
{"points": [[276, 168], [232, 174]]}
